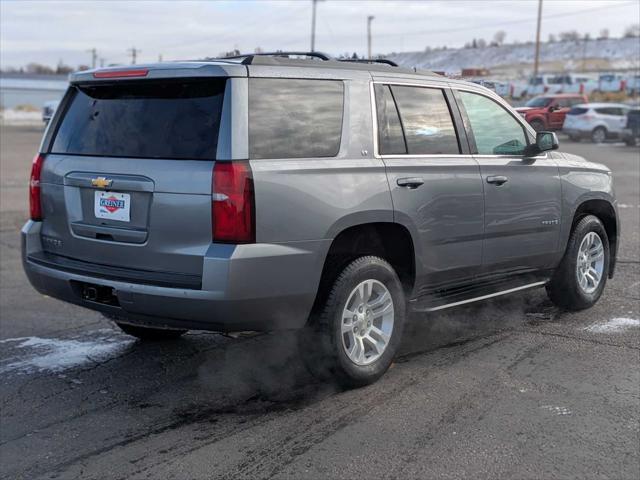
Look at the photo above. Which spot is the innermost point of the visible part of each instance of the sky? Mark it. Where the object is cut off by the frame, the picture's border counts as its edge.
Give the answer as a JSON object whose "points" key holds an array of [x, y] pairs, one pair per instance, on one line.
{"points": [[49, 31]]}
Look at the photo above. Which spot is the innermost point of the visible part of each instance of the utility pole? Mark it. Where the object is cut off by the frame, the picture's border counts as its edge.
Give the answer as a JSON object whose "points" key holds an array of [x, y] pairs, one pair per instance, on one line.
{"points": [[134, 54], [101, 62], [160, 58], [313, 24], [369, 20], [94, 56], [537, 56]]}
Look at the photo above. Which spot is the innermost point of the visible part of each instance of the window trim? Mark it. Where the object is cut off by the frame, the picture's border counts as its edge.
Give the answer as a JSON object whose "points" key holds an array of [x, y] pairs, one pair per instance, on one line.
{"points": [[454, 112]]}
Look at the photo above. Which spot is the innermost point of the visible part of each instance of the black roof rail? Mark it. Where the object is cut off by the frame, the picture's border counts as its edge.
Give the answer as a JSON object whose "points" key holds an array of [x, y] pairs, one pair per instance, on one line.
{"points": [[370, 60], [249, 56]]}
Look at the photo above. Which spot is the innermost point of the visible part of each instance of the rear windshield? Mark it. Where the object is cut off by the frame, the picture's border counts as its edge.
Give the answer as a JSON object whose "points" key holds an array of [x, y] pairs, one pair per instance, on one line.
{"points": [[577, 111], [174, 120]]}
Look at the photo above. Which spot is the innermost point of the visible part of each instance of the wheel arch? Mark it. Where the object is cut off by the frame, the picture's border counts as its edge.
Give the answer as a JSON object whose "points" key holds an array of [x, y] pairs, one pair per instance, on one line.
{"points": [[606, 212], [388, 240]]}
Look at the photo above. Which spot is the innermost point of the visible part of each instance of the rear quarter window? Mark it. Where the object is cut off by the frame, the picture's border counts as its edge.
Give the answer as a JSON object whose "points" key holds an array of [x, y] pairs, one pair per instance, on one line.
{"points": [[293, 118], [143, 119]]}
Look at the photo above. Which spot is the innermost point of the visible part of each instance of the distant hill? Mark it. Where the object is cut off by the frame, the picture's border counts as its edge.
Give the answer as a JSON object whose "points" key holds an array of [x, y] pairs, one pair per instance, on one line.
{"points": [[517, 60]]}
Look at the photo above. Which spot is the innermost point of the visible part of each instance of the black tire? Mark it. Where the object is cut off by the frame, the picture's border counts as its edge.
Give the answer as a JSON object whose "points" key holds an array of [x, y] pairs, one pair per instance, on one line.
{"points": [[564, 289], [149, 333], [321, 340], [537, 125], [599, 135], [630, 142]]}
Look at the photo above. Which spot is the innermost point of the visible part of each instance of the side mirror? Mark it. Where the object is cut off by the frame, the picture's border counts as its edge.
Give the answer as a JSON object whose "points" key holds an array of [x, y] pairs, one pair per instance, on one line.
{"points": [[545, 141]]}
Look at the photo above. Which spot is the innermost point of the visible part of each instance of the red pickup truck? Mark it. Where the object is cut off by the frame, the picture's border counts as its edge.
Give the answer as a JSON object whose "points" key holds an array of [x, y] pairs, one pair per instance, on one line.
{"points": [[547, 112]]}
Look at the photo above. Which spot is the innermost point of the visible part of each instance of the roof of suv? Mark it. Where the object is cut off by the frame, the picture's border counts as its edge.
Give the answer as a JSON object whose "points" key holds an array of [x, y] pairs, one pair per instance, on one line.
{"points": [[238, 66]]}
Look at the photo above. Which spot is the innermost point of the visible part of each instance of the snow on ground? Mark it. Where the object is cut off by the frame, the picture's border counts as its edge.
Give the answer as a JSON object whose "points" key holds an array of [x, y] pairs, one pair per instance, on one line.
{"points": [[619, 53], [614, 325], [28, 355], [20, 117]]}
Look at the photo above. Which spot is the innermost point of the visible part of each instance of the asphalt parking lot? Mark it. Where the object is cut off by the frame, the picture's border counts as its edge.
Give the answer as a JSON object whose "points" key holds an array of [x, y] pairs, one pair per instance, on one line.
{"points": [[505, 389]]}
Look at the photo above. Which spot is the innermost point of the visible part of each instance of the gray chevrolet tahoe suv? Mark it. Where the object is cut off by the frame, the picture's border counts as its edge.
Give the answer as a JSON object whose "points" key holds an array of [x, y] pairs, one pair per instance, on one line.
{"points": [[268, 192]]}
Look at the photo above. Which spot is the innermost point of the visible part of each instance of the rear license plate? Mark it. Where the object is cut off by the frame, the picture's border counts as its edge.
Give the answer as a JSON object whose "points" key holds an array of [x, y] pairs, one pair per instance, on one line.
{"points": [[112, 206]]}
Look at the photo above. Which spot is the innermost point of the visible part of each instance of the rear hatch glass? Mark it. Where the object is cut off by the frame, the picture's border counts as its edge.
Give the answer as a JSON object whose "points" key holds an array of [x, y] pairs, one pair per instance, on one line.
{"points": [[173, 120], [127, 180]]}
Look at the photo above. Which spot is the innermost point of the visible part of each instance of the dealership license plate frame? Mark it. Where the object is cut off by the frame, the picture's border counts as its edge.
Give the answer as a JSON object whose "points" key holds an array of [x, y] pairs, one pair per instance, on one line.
{"points": [[118, 208]]}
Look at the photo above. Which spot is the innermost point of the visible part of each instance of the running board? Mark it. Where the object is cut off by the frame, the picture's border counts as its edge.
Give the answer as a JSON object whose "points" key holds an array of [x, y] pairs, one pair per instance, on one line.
{"points": [[430, 307]]}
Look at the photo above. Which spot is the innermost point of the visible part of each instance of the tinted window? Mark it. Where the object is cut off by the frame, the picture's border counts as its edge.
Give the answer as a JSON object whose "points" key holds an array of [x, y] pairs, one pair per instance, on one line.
{"points": [[428, 128], [495, 130], [143, 119], [295, 118], [611, 111], [390, 137], [577, 111]]}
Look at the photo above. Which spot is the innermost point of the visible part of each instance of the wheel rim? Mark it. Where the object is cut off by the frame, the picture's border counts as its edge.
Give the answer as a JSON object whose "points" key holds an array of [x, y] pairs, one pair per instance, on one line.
{"points": [[367, 322], [590, 264], [599, 135]]}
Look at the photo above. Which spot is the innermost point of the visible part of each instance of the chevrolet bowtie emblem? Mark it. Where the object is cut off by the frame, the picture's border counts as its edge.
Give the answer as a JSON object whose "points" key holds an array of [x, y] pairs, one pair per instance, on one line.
{"points": [[101, 182]]}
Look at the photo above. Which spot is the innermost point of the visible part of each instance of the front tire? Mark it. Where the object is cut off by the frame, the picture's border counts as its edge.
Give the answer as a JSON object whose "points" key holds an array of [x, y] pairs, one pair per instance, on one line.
{"points": [[579, 280], [356, 333], [537, 125], [599, 135]]}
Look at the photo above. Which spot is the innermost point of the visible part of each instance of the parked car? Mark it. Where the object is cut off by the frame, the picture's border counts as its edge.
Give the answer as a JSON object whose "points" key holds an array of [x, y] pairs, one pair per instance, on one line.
{"points": [[267, 193], [597, 121], [48, 109], [547, 112], [542, 84], [633, 85], [631, 132], [612, 82]]}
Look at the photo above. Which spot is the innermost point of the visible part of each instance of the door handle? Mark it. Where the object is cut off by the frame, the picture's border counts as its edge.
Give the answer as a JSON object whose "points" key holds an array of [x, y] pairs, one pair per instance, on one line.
{"points": [[497, 179], [410, 182]]}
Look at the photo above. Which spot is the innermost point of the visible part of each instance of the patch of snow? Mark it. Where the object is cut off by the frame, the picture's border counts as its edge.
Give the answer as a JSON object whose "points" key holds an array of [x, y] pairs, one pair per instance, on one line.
{"points": [[557, 410], [619, 53], [20, 117], [614, 325], [30, 355]]}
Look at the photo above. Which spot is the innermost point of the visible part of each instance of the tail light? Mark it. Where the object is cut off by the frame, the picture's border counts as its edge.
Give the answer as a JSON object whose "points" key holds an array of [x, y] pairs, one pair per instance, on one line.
{"points": [[233, 203], [35, 203]]}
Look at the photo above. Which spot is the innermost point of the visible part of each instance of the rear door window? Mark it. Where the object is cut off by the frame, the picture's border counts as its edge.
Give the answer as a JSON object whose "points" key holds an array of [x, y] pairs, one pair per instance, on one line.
{"points": [[495, 130], [390, 136], [144, 119], [291, 118], [426, 119]]}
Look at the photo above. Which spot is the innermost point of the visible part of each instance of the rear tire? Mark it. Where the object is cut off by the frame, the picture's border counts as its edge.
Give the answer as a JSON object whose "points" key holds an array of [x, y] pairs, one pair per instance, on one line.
{"points": [[537, 125], [599, 135], [355, 334], [565, 288], [149, 333]]}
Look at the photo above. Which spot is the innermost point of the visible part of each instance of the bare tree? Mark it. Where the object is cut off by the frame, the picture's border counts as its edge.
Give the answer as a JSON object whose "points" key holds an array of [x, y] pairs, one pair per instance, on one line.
{"points": [[481, 43], [632, 31], [552, 38], [604, 34], [499, 37], [569, 36]]}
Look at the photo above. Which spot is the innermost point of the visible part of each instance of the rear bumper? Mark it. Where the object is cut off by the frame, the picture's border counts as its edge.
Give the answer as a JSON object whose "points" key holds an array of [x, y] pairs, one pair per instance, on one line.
{"points": [[244, 287]]}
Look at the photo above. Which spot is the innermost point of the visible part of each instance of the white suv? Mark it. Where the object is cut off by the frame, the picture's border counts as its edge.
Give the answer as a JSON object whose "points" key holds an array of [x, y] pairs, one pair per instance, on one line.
{"points": [[598, 121]]}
